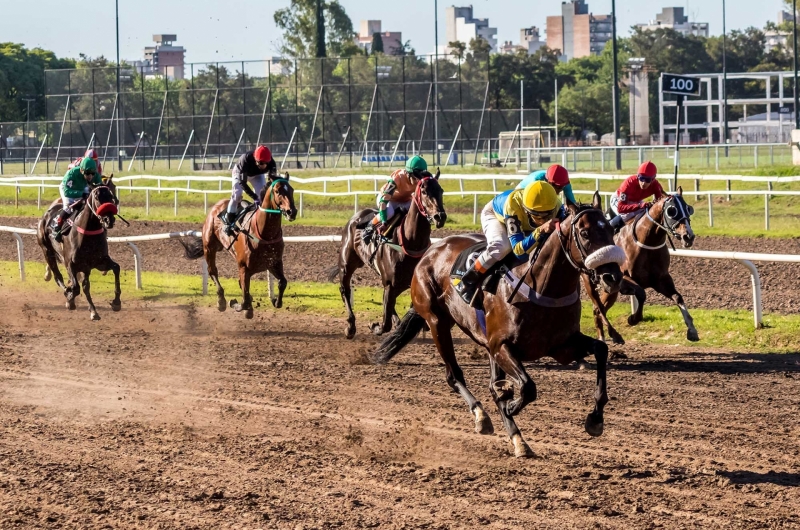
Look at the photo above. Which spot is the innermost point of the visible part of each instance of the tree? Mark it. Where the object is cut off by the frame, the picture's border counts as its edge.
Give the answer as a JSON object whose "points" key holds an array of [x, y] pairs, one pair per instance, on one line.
{"points": [[377, 43], [299, 25], [457, 48], [22, 75]]}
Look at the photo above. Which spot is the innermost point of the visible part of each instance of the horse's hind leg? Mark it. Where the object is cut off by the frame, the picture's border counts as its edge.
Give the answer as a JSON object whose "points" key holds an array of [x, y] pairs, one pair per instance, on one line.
{"points": [[247, 300], [504, 361], [389, 313], [580, 345], [87, 293], [441, 333], [213, 273], [111, 265], [666, 287], [348, 263], [277, 272]]}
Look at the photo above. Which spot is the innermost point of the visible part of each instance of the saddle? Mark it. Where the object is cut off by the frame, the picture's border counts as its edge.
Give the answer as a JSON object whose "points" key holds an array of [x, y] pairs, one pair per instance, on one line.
{"points": [[243, 215], [493, 276], [392, 224], [68, 222]]}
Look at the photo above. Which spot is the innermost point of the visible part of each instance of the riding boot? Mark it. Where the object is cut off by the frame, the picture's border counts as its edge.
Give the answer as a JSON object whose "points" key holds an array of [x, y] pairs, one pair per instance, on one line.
{"points": [[617, 223], [468, 286], [230, 228], [58, 225], [367, 233]]}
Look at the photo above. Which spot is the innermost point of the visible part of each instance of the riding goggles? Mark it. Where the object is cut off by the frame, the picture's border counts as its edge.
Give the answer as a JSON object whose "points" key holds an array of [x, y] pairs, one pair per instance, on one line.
{"points": [[90, 173], [539, 214], [644, 178]]}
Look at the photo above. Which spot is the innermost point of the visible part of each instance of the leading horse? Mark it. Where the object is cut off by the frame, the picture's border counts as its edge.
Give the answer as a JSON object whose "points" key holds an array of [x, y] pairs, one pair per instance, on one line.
{"points": [[84, 248], [512, 327], [394, 261], [644, 241], [257, 247]]}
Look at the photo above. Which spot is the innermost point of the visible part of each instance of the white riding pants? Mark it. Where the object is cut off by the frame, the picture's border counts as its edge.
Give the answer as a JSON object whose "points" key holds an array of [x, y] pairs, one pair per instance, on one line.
{"points": [[67, 202], [393, 206], [625, 216], [498, 245], [258, 182]]}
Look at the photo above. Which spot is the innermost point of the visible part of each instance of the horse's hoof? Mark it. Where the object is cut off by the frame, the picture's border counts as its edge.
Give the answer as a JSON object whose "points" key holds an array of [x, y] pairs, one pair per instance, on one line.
{"points": [[235, 305], [350, 332], [95, 317], [483, 424], [617, 339], [692, 335], [583, 365], [47, 274], [593, 428], [276, 303], [221, 305], [632, 320], [248, 314], [617, 355], [71, 305], [376, 329], [116, 306], [521, 448]]}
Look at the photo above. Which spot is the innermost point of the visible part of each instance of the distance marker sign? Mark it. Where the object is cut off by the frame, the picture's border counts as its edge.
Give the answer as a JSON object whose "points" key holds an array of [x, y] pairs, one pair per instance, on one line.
{"points": [[680, 84]]}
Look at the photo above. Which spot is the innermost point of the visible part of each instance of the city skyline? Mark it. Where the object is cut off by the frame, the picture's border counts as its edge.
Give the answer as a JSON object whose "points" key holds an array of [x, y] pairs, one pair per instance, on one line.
{"points": [[212, 34]]}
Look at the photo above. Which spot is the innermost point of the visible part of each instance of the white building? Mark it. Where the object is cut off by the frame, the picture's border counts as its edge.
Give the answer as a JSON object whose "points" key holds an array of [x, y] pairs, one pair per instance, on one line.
{"points": [[278, 66], [776, 37], [461, 26], [392, 40], [673, 18], [528, 41]]}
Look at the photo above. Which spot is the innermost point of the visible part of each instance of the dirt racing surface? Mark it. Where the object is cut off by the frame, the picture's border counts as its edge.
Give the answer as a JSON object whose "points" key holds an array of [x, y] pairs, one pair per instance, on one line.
{"points": [[169, 416], [721, 284]]}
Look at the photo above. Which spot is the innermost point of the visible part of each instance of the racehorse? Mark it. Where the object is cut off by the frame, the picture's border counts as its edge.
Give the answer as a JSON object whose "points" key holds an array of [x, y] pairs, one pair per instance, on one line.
{"points": [[85, 247], [257, 247], [394, 261], [645, 244], [512, 327]]}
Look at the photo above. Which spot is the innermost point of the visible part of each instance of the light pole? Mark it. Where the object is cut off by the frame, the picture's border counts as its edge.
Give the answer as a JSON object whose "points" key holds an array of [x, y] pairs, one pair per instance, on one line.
{"points": [[724, 83], [435, 82], [615, 86], [27, 131], [119, 103], [794, 47]]}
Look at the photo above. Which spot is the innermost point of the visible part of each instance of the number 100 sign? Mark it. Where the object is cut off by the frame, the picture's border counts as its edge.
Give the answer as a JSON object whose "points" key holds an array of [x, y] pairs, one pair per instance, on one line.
{"points": [[680, 84]]}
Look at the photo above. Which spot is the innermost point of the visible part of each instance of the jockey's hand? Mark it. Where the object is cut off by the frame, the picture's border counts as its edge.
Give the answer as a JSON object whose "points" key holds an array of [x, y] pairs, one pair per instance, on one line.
{"points": [[381, 228], [548, 226], [647, 205]]}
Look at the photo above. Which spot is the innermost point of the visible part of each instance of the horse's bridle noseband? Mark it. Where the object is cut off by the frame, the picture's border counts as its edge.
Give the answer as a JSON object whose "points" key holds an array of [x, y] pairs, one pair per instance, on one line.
{"points": [[271, 196], [417, 198], [669, 223]]}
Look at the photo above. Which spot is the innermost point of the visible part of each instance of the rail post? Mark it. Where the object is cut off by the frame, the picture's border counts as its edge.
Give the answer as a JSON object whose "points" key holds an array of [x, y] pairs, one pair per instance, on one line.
{"points": [[728, 188], [300, 210], [755, 281], [137, 265], [355, 203], [205, 203], [204, 275], [475, 208], [766, 211], [710, 210], [20, 255]]}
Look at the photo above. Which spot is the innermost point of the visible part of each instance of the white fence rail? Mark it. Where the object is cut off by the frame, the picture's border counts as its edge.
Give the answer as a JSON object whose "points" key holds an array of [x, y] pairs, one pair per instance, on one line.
{"points": [[745, 258]]}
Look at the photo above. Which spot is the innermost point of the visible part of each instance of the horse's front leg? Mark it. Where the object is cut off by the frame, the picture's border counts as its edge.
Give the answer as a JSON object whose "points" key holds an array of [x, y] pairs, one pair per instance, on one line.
{"points": [[277, 271], [666, 287], [111, 265], [247, 301], [87, 293], [389, 301], [503, 362], [631, 288], [73, 288]]}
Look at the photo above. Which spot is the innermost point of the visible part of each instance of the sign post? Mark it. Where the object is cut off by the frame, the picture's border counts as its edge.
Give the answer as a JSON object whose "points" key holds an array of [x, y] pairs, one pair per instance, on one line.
{"points": [[682, 86]]}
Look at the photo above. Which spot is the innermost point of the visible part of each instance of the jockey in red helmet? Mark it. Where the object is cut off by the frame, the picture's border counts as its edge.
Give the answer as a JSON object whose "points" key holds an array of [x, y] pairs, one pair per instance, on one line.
{"points": [[90, 153], [252, 168], [630, 197]]}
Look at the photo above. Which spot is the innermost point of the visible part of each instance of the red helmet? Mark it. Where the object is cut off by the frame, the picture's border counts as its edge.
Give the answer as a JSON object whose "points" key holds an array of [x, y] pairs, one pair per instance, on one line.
{"points": [[91, 153], [557, 175], [263, 154], [648, 169]]}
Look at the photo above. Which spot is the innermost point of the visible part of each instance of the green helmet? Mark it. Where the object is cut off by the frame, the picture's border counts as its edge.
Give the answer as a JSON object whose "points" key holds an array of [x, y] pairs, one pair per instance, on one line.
{"points": [[416, 163], [88, 164]]}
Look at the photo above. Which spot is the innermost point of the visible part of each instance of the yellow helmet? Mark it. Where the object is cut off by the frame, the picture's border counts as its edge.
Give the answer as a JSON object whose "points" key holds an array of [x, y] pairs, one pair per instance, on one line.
{"points": [[539, 199]]}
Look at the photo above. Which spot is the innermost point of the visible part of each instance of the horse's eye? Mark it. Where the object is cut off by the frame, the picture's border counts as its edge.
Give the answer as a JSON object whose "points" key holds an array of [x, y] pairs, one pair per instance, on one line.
{"points": [[690, 209], [585, 234], [672, 211]]}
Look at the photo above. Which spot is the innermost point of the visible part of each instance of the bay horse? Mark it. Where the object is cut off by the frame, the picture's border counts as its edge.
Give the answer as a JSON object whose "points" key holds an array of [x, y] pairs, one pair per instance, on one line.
{"points": [[84, 248], [644, 241], [516, 328], [258, 247], [394, 261]]}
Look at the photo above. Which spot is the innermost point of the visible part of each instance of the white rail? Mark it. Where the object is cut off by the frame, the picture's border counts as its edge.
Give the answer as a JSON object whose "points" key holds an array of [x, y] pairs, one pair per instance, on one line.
{"points": [[745, 258]]}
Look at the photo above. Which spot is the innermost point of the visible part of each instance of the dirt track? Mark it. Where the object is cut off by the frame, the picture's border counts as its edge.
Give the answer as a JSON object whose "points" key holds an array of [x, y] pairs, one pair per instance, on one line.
{"points": [[703, 283], [166, 416]]}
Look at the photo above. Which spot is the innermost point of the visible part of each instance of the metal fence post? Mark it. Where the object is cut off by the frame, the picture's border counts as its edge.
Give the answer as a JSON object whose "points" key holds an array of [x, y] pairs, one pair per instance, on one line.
{"points": [[766, 211], [755, 156], [475, 209], [710, 210]]}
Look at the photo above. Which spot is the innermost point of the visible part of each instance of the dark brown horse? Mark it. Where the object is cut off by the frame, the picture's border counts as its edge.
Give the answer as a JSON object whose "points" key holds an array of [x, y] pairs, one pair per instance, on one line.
{"points": [[394, 261], [84, 248], [644, 241], [258, 247], [543, 318]]}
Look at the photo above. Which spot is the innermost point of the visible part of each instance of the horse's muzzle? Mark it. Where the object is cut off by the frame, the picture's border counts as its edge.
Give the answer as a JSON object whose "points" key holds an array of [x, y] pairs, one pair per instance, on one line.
{"points": [[611, 280], [687, 240], [439, 219], [290, 215], [107, 221]]}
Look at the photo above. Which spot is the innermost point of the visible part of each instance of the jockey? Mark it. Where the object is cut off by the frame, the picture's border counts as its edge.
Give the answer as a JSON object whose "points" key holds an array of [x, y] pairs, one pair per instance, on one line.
{"points": [[396, 194], [90, 153], [630, 197], [250, 169], [513, 221], [557, 176], [75, 187]]}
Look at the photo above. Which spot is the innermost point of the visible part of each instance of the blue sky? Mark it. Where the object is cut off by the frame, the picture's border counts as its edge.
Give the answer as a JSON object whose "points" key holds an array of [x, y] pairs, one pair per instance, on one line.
{"points": [[244, 29]]}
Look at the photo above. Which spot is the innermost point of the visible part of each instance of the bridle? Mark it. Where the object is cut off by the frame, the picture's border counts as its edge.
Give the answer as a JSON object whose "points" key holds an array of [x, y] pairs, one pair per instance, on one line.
{"points": [[417, 198], [90, 202], [668, 224], [572, 235], [271, 197]]}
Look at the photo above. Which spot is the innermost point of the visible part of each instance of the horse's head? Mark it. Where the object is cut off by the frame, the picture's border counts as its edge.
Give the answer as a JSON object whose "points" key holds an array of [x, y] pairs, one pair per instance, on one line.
{"points": [[279, 195], [429, 198], [108, 181], [103, 205], [676, 217], [592, 236]]}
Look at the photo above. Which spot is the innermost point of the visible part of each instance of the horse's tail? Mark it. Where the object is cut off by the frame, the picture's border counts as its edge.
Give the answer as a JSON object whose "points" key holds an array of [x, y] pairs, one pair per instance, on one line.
{"points": [[332, 274], [408, 328], [192, 246]]}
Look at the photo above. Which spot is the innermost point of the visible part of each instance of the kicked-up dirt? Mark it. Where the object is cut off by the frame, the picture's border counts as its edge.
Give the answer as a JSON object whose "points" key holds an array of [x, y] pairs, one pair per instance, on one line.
{"points": [[174, 416]]}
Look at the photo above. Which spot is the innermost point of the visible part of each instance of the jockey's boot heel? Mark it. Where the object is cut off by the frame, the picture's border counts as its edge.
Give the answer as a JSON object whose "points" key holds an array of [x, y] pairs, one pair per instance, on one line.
{"points": [[58, 225], [617, 223], [469, 284], [230, 229], [368, 233]]}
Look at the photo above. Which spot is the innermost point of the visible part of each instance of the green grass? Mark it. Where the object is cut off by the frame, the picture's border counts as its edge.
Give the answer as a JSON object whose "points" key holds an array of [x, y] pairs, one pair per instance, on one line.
{"points": [[728, 330]]}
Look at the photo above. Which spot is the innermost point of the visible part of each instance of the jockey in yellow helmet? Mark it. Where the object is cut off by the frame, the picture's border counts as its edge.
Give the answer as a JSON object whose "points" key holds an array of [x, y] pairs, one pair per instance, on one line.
{"points": [[513, 222]]}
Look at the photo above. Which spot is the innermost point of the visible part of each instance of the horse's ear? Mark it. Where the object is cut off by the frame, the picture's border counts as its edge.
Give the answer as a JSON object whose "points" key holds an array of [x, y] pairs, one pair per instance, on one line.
{"points": [[680, 191], [596, 203], [573, 208], [286, 175], [108, 180], [438, 173]]}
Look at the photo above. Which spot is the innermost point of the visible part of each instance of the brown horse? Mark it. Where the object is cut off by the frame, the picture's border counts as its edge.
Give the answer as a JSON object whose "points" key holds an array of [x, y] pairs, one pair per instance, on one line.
{"points": [[394, 261], [542, 319], [84, 248], [258, 247], [644, 241]]}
